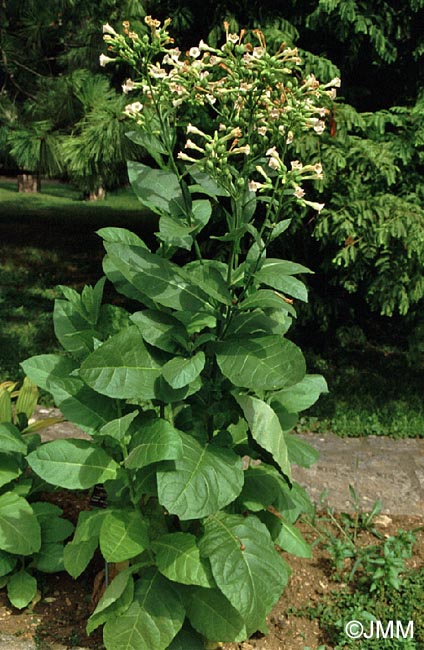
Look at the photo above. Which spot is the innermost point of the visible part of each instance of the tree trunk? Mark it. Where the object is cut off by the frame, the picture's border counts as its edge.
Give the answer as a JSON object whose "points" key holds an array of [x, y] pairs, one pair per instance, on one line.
{"points": [[29, 183], [99, 194]]}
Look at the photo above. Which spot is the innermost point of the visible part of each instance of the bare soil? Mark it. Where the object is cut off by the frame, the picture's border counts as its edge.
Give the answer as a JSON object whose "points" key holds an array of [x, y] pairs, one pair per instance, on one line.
{"points": [[57, 620]]}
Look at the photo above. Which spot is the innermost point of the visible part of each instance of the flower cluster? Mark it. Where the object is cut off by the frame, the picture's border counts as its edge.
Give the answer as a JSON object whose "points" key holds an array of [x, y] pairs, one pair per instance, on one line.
{"points": [[254, 103]]}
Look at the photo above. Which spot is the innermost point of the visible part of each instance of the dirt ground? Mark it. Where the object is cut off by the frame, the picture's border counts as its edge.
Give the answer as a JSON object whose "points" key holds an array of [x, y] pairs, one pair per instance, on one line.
{"points": [[58, 619]]}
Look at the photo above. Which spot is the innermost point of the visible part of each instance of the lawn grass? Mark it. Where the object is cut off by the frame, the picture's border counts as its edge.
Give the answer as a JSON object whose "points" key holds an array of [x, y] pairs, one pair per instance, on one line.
{"points": [[48, 239]]}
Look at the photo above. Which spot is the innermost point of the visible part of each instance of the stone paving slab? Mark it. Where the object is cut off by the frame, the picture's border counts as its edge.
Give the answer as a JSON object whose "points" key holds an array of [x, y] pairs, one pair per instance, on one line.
{"points": [[377, 467]]}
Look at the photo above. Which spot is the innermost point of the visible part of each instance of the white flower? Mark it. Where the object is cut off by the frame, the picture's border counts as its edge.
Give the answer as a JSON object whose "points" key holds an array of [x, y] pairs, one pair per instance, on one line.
{"points": [[319, 126], [128, 86], [299, 192], [233, 38], [296, 165], [315, 206], [133, 109], [290, 137], [192, 145], [157, 72], [193, 129], [103, 60], [194, 52], [272, 152], [244, 149], [203, 45], [318, 170], [334, 83], [274, 163], [254, 186], [262, 130], [183, 156], [107, 29]]}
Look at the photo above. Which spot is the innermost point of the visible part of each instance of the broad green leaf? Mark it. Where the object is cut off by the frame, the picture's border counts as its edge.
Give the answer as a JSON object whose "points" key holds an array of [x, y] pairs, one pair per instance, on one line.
{"points": [[159, 279], [5, 405], [267, 299], [11, 439], [53, 373], [274, 267], [72, 331], [261, 488], [115, 235], [291, 540], [287, 420], [72, 464], [187, 640], [53, 527], [89, 525], [156, 441], [122, 367], [207, 274], [9, 469], [303, 394], [293, 501], [152, 621], [115, 600], [265, 429], [118, 427], [19, 528], [7, 563], [27, 398], [155, 188], [112, 319], [181, 371], [205, 183], [261, 363], [279, 228], [87, 409], [121, 276], [77, 555], [255, 323], [245, 565], [175, 231], [178, 558], [161, 330], [21, 589], [49, 558], [205, 479], [213, 616], [300, 452], [202, 211], [123, 535]]}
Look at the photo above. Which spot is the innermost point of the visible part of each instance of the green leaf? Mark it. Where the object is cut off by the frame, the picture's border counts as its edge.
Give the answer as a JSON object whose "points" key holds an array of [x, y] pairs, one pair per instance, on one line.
{"points": [[161, 330], [122, 367], [156, 441], [72, 464], [302, 395], [157, 278], [205, 479], [11, 439], [53, 527], [208, 275], [77, 555], [155, 188], [245, 565], [205, 183], [152, 621], [279, 228], [115, 235], [187, 640], [21, 589], [115, 601], [19, 528], [261, 488], [52, 372], [261, 363], [123, 535], [49, 559], [9, 469], [150, 142], [89, 525], [267, 299], [265, 429], [178, 558], [300, 452], [175, 232], [213, 616], [274, 267], [72, 331], [121, 276], [118, 428], [202, 211], [6, 412], [291, 540], [7, 563], [181, 371], [27, 398]]}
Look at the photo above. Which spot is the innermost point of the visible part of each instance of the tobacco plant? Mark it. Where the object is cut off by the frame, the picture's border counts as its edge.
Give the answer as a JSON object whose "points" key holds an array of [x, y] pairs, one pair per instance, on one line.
{"points": [[188, 400], [31, 530]]}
